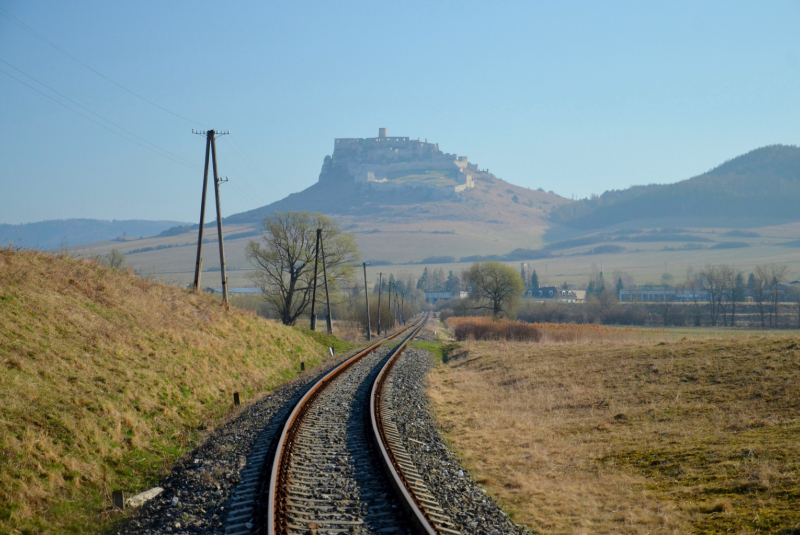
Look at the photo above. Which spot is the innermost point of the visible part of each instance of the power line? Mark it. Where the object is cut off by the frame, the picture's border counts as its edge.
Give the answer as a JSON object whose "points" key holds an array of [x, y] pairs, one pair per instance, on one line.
{"points": [[174, 156], [99, 123], [98, 73], [251, 164]]}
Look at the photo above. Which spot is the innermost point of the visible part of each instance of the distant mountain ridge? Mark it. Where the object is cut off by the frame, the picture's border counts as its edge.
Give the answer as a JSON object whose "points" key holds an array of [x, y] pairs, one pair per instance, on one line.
{"points": [[763, 183], [69, 232]]}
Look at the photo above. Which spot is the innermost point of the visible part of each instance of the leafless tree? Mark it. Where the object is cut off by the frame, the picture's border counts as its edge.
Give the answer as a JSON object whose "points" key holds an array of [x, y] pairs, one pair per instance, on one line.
{"points": [[727, 281], [777, 276], [712, 283], [694, 286], [760, 291], [285, 263]]}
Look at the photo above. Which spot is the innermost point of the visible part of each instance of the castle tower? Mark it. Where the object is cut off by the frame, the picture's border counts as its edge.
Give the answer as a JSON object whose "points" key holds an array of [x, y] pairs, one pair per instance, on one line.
{"points": [[382, 132]]}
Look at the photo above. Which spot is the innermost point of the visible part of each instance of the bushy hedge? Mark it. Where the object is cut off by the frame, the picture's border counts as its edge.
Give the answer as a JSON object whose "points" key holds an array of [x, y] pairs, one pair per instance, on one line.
{"points": [[486, 329]]}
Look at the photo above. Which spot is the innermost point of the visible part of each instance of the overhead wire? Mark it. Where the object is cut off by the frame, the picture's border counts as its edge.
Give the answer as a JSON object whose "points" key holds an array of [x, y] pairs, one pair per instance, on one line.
{"points": [[172, 154], [241, 189], [33, 32], [237, 188], [261, 177], [181, 161]]}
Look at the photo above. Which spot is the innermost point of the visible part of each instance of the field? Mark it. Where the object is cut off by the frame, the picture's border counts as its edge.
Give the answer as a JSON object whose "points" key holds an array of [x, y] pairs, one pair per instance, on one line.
{"points": [[107, 378], [654, 432]]}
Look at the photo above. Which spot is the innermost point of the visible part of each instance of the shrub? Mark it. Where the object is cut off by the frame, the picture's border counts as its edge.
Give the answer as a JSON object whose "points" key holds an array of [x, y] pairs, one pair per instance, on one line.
{"points": [[486, 329]]}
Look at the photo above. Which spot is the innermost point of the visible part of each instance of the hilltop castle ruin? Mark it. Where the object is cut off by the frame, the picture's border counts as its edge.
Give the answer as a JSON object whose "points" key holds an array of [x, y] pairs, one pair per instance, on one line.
{"points": [[394, 163]]}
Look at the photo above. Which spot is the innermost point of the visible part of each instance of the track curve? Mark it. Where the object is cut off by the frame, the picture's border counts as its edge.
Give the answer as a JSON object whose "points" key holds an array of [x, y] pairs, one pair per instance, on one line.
{"points": [[323, 475]]}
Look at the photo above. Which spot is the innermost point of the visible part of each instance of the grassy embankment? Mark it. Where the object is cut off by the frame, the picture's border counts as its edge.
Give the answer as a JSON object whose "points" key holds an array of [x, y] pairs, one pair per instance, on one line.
{"points": [[107, 378], [642, 435]]}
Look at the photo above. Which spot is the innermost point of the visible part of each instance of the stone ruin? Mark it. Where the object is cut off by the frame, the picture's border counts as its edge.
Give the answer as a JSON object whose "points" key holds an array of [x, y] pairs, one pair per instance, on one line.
{"points": [[394, 163]]}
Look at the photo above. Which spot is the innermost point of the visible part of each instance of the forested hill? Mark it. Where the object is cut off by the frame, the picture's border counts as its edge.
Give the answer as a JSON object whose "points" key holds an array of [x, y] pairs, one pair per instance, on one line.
{"points": [[764, 183]]}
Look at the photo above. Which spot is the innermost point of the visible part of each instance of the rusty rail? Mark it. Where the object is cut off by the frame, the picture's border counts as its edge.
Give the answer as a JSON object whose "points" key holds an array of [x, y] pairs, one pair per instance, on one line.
{"points": [[275, 520], [421, 507]]}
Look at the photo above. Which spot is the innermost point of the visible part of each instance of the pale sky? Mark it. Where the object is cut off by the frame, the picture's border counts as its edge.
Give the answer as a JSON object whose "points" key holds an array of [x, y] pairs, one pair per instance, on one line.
{"points": [[574, 97]]}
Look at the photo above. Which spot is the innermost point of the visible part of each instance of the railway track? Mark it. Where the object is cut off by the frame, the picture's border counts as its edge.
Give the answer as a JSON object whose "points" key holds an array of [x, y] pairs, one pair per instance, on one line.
{"points": [[339, 465]]}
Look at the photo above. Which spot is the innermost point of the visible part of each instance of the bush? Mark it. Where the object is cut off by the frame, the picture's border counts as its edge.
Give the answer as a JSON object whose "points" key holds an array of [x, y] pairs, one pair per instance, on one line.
{"points": [[486, 329]]}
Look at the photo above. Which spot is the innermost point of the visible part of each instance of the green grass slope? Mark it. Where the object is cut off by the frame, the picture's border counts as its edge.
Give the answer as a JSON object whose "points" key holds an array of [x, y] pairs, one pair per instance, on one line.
{"points": [[106, 378]]}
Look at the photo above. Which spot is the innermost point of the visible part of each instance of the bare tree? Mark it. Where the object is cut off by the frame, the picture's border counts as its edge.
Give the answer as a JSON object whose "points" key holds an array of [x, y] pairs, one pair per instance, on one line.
{"points": [[285, 263], [494, 286], [777, 275], [727, 281], [759, 291], [711, 281], [694, 286]]}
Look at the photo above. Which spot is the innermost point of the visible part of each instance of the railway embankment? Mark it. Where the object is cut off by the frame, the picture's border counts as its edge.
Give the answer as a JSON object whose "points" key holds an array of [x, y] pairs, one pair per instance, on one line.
{"points": [[106, 379]]}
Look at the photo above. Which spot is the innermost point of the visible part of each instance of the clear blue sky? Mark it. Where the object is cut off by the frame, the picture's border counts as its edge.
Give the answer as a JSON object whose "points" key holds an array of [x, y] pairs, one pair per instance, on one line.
{"points": [[575, 97]]}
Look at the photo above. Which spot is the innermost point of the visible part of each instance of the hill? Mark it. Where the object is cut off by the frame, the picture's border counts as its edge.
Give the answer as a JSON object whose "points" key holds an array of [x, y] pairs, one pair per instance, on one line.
{"points": [[400, 198], [106, 378], [762, 185], [405, 200], [70, 232]]}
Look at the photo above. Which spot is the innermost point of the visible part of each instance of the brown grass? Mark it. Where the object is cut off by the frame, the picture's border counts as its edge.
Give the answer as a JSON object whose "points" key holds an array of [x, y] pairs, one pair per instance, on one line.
{"points": [[636, 437], [106, 378], [555, 332], [483, 328]]}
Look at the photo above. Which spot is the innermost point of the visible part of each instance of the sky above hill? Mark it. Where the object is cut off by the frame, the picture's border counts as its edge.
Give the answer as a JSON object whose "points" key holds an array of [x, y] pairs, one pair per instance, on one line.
{"points": [[574, 97]]}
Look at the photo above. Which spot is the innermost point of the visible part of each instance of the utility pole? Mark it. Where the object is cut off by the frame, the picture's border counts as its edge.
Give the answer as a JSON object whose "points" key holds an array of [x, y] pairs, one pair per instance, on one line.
{"points": [[366, 296], [380, 287], [211, 143], [314, 291], [327, 295], [199, 262], [390, 302], [403, 307]]}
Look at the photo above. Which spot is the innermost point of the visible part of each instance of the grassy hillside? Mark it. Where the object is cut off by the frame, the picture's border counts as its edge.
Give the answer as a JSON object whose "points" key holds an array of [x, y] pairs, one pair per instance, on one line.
{"points": [[764, 183], [106, 378]]}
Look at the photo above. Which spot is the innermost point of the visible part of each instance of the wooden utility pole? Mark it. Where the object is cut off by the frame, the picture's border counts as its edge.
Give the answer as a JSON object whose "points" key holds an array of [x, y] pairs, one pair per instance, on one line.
{"points": [[217, 180], [403, 308], [328, 320], [211, 144], [199, 263], [366, 296], [380, 287], [314, 291], [391, 314]]}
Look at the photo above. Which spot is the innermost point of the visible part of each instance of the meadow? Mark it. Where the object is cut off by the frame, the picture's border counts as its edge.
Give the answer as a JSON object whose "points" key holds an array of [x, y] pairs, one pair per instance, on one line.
{"points": [[609, 430]]}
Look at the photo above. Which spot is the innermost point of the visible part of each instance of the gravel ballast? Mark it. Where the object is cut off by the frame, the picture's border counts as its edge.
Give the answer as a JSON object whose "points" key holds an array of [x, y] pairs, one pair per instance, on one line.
{"points": [[468, 505], [198, 492], [200, 489]]}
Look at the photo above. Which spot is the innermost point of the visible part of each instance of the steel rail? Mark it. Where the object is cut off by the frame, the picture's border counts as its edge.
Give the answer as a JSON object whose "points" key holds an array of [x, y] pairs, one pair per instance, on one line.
{"points": [[420, 517], [277, 523]]}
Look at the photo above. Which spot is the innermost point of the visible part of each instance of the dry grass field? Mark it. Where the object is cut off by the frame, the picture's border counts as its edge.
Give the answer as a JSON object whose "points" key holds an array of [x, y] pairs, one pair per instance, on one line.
{"points": [[648, 435], [106, 378]]}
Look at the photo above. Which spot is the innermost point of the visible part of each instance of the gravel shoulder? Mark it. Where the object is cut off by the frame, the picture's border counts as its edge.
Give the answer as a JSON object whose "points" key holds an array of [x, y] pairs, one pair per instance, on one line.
{"points": [[198, 491], [467, 504]]}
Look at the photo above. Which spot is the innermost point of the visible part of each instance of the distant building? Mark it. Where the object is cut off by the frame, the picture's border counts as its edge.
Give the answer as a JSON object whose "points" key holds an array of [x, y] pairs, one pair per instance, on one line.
{"points": [[556, 294], [434, 297], [660, 294]]}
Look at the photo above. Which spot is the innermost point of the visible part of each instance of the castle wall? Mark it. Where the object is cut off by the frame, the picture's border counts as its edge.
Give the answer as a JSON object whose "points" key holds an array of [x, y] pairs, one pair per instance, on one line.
{"points": [[370, 160]]}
